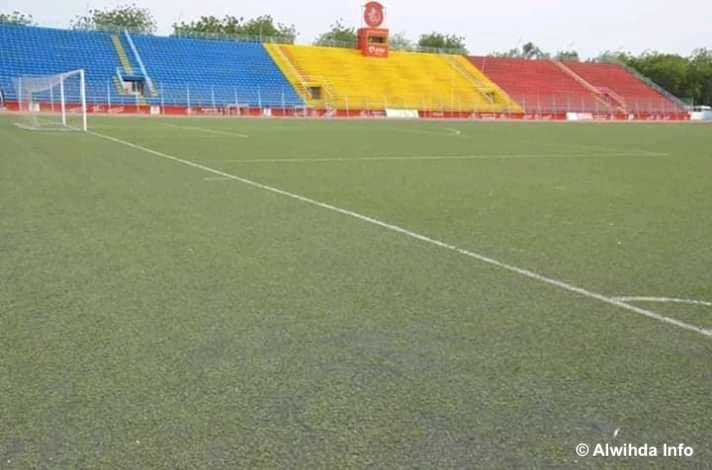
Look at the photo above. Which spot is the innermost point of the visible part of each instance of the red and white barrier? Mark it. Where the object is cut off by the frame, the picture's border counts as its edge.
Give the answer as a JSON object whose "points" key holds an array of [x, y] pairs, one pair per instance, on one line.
{"points": [[358, 113]]}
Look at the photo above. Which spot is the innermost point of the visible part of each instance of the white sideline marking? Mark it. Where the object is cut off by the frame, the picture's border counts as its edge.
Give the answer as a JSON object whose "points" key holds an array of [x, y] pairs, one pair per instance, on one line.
{"points": [[670, 300], [423, 131], [596, 147], [524, 272], [425, 157], [216, 178], [560, 145], [208, 130], [449, 131]]}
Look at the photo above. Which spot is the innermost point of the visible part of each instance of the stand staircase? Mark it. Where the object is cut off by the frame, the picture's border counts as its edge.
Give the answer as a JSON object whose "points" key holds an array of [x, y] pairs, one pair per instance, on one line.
{"points": [[126, 70], [303, 80], [605, 96], [493, 93]]}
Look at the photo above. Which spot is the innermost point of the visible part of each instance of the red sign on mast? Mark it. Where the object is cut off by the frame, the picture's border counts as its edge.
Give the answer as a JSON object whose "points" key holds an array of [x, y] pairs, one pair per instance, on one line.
{"points": [[373, 14], [373, 39]]}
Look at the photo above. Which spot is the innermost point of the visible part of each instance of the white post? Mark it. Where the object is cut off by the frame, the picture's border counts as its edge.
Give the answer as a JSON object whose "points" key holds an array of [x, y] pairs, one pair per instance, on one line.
{"points": [[452, 97], [19, 94], [83, 96], [259, 97], [108, 94], [51, 98], [212, 95], [187, 95], [62, 105]]}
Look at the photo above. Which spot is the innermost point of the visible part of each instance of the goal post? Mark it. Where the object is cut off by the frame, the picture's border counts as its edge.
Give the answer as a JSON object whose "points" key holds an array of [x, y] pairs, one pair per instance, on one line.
{"points": [[52, 102]]}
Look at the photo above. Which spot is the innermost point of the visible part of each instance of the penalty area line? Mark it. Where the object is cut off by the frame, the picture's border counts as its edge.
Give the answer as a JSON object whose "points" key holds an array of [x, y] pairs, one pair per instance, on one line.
{"points": [[424, 157], [207, 130], [395, 228]]}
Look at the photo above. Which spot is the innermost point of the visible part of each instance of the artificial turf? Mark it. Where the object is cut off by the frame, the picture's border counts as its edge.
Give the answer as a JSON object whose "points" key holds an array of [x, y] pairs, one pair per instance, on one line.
{"points": [[158, 315]]}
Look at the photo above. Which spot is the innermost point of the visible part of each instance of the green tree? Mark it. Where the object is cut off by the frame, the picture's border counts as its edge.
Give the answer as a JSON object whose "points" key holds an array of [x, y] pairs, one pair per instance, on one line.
{"points": [[337, 35], [567, 55], [701, 75], [512, 53], [670, 71], [263, 27], [399, 42], [16, 18], [614, 57], [208, 26], [528, 50], [450, 43], [130, 17], [532, 51]]}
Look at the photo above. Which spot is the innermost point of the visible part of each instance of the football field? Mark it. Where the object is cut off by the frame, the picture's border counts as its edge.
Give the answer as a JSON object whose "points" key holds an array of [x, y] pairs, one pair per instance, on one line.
{"points": [[189, 293]]}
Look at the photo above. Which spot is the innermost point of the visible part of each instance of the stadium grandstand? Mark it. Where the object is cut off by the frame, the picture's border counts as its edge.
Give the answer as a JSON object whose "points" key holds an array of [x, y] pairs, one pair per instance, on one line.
{"points": [[128, 72]]}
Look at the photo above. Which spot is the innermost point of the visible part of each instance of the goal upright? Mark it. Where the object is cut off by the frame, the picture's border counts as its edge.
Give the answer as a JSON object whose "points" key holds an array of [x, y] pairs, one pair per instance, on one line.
{"points": [[52, 102]]}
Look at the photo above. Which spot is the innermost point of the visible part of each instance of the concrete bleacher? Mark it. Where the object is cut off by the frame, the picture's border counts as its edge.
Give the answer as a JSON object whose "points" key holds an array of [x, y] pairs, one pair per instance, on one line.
{"points": [[404, 80], [635, 94], [26, 51], [217, 73], [203, 72], [540, 85]]}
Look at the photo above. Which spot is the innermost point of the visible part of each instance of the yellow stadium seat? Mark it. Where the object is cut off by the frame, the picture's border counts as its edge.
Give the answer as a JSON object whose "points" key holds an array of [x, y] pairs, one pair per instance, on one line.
{"points": [[331, 77]]}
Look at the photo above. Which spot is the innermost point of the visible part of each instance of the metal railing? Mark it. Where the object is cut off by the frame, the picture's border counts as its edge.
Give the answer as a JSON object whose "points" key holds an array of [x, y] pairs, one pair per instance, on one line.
{"points": [[220, 96], [205, 95], [647, 81]]}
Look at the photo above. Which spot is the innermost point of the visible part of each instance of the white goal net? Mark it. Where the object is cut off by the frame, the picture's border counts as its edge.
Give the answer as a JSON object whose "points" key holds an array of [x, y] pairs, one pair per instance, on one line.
{"points": [[52, 102]]}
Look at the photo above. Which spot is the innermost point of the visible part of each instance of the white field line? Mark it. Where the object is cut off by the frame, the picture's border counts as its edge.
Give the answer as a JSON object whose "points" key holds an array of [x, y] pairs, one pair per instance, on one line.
{"points": [[207, 130], [601, 148], [423, 157], [524, 272], [581, 147], [447, 131], [669, 300], [216, 178], [444, 132], [452, 132]]}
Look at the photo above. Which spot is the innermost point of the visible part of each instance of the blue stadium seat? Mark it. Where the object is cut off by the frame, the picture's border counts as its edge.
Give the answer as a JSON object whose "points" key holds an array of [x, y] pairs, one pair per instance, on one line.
{"points": [[43, 51], [185, 71], [206, 72]]}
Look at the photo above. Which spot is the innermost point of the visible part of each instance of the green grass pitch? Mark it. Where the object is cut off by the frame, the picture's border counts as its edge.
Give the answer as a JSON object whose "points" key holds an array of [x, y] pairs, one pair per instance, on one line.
{"points": [[155, 314]]}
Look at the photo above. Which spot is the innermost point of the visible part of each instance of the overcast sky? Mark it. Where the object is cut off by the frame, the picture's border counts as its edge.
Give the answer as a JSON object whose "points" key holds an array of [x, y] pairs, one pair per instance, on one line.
{"points": [[492, 25]]}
